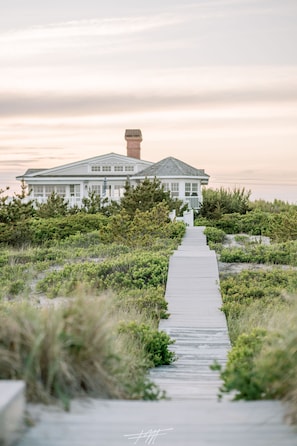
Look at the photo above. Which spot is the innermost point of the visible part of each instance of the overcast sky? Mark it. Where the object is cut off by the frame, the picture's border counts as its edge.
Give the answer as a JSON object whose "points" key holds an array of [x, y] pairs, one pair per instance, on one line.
{"points": [[211, 82]]}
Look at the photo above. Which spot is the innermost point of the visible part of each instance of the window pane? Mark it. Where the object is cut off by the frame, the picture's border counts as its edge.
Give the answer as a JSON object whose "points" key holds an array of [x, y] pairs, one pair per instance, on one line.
{"points": [[49, 190], [61, 190], [174, 189], [96, 188], [38, 191], [129, 168], [74, 190]]}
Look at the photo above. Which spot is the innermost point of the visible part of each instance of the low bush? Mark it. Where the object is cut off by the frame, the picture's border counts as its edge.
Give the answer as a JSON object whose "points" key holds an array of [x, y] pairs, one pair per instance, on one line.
{"points": [[214, 235], [217, 202], [135, 270], [140, 229], [149, 302], [263, 362], [59, 228], [35, 231], [278, 254], [240, 374], [283, 226], [154, 342], [15, 280], [253, 223], [240, 290]]}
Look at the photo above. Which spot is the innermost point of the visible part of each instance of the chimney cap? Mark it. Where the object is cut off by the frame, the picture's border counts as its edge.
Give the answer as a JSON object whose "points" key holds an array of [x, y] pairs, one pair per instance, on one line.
{"points": [[133, 134]]}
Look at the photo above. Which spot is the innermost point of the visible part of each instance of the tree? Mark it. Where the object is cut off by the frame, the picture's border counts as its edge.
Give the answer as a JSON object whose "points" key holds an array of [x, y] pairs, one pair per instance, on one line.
{"points": [[146, 195], [217, 202], [55, 206], [18, 208]]}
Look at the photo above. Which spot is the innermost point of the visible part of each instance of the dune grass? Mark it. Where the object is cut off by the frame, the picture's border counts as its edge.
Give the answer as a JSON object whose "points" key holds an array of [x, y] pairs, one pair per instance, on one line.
{"points": [[72, 350]]}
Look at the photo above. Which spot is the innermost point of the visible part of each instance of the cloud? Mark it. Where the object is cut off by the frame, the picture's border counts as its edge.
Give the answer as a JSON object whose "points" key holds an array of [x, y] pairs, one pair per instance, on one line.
{"points": [[85, 104], [81, 29]]}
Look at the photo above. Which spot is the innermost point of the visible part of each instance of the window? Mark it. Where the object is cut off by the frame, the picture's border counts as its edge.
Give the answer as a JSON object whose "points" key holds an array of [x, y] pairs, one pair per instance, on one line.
{"points": [[118, 168], [61, 190], [191, 189], [106, 168], [129, 168], [38, 191], [118, 191], [95, 168], [96, 188], [49, 190], [74, 190], [194, 188], [174, 190], [166, 187]]}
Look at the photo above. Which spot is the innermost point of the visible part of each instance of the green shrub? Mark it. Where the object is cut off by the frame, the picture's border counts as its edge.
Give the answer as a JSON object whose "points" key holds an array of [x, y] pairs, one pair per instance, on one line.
{"points": [[241, 290], [155, 342], [214, 235], [15, 279], [16, 234], [149, 302], [278, 254], [203, 221], [283, 226], [217, 202], [263, 364], [147, 195], [16, 287], [254, 223], [276, 364], [240, 374], [4, 256], [59, 228], [135, 270], [143, 227], [35, 231], [275, 206]]}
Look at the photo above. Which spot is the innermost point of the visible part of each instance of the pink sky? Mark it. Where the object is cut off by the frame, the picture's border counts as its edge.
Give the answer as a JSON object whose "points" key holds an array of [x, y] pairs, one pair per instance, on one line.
{"points": [[213, 83]]}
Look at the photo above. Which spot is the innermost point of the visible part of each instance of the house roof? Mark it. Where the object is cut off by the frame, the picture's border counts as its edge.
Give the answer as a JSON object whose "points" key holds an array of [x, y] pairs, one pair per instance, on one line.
{"points": [[32, 171], [71, 169], [172, 167]]}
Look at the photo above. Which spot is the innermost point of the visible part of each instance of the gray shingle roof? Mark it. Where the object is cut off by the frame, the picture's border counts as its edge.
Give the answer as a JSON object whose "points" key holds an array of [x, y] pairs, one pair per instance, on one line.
{"points": [[172, 167]]}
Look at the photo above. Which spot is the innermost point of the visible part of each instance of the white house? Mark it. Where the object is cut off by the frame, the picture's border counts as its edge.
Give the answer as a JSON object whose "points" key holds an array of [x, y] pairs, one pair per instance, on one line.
{"points": [[107, 176]]}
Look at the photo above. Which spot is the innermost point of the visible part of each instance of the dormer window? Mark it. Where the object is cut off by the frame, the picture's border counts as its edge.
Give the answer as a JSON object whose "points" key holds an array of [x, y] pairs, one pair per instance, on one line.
{"points": [[129, 168], [95, 168]]}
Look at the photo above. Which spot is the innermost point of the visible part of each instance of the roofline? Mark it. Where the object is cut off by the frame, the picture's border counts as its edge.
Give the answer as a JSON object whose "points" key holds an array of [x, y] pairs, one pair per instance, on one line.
{"points": [[74, 177], [199, 177], [85, 161]]}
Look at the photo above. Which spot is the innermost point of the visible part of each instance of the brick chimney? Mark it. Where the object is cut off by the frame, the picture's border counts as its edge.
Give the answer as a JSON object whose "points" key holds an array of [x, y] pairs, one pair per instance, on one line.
{"points": [[133, 138]]}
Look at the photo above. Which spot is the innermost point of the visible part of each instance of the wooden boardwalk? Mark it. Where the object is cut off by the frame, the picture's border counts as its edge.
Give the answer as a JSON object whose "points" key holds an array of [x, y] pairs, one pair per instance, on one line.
{"points": [[192, 416], [196, 322]]}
